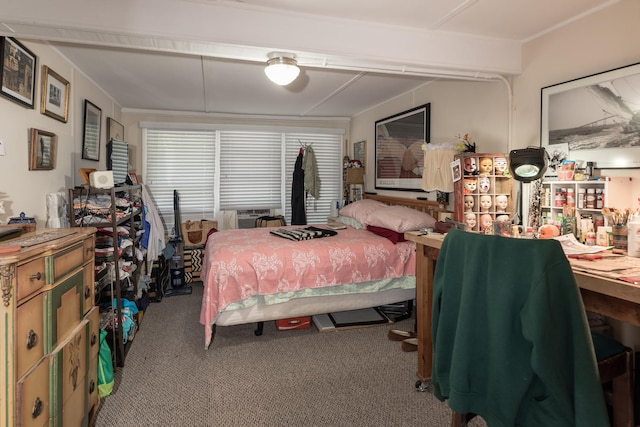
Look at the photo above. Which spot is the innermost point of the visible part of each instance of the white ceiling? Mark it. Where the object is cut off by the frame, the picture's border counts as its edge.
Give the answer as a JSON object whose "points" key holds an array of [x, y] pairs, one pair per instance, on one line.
{"points": [[208, 55]]}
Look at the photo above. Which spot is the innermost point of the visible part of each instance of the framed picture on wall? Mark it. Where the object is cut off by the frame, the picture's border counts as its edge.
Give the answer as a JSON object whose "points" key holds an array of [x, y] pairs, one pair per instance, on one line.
{"points": [[91, 135], [399, 156], [115, 130], [55, 95], [597, 117], [42, 150], [17, 72]]}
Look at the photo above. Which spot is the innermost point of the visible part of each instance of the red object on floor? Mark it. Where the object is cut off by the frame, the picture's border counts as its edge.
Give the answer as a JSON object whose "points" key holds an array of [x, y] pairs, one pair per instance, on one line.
{"points": [[293, 323]]}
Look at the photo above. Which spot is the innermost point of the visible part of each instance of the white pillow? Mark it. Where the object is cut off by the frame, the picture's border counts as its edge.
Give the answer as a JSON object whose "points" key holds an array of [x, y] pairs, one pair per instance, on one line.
{"points": [[361, 209], [400, 219], [350, 221]]}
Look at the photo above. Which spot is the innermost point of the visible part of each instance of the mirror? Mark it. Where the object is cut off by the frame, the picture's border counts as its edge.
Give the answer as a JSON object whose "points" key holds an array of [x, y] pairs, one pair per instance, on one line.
{"points": [[91, 139]]}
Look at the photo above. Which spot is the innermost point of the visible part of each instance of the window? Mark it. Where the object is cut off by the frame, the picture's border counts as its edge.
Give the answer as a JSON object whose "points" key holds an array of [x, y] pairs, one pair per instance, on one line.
{"points": [[328, 151], [253, 168], [250, 170]]}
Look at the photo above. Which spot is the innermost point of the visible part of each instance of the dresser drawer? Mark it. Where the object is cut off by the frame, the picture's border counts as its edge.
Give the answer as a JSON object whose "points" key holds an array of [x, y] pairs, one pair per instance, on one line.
{"points": [[32, 396], [30, 277], [89, 244], [64, 309], [66, 261], [69, 366], [30, 336]]}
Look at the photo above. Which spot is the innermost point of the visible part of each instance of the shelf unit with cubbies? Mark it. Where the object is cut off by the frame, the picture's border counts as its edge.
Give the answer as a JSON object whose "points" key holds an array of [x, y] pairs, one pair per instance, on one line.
{"points": [[616, 193], [116, 213], [485, 191]]}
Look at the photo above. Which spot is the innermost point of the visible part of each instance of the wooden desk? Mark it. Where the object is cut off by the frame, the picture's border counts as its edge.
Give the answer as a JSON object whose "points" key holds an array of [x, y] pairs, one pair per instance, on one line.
{"points": [[427, 249], [610, 297]]}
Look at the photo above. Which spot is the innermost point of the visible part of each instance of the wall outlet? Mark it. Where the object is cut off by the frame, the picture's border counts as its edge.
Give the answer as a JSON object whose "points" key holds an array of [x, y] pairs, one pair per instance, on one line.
{"points": [[2, 153]]}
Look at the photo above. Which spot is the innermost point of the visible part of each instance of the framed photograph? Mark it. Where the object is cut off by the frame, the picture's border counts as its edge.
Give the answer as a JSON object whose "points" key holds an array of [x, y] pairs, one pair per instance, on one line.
{"points": [[55, 95], [114, 130], [596, 116], [360, 153], [18, 72], [443, 216], [456, 170], [42, 150], [399, 159], [355, 192], [91, 135]]}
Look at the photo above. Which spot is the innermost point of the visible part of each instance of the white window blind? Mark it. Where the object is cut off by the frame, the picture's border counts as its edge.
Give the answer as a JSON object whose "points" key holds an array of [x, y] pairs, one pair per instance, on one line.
{"points": [[182, 160], [250, 170], [254, 169], [328, 151]]}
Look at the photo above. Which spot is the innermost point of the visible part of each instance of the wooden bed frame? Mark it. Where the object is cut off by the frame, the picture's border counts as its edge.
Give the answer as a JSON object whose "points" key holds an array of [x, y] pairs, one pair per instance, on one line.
{"points": [[427, 206], [317, 305]]}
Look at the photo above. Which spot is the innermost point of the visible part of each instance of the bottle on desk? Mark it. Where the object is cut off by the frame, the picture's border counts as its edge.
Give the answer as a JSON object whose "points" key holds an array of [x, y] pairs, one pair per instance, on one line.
{"points": [[633, 236]]}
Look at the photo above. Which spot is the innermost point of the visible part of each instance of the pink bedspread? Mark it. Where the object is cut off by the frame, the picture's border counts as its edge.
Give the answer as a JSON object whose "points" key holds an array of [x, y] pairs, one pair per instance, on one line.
{"points": [[239, 264]]}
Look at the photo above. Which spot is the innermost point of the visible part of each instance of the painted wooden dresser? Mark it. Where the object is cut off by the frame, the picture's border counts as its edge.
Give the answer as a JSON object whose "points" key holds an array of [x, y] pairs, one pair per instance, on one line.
{"points": [[50, 329]]}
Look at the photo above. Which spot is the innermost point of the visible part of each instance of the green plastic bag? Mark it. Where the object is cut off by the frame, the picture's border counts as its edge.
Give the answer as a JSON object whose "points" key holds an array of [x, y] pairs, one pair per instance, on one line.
{"points": [[105, 367]]}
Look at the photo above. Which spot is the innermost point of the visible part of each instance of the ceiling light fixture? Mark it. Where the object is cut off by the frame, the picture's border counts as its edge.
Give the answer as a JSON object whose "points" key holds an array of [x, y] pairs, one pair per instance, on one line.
{"points": [[282, 68]]}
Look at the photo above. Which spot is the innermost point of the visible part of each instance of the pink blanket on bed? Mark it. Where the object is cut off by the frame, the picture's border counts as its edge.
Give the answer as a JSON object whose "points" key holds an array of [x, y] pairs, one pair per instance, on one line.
{"points": [[239, 264]]}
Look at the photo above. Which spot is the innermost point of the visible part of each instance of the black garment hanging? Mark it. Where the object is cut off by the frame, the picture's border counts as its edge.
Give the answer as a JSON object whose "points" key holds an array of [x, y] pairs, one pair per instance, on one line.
{"points": [[298, 214]]}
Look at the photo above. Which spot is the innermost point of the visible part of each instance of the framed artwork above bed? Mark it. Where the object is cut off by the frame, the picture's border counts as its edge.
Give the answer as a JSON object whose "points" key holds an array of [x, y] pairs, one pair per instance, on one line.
{"points": [[399, 161]]}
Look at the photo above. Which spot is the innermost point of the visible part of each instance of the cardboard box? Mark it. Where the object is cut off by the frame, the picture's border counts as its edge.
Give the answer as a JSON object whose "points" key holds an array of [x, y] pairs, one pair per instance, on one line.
{"points": [[293, 323], [355, 176]]}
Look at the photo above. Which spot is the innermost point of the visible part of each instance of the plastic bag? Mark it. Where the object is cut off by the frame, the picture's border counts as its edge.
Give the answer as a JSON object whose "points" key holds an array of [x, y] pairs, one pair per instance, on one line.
{"points": [[105, 367]]}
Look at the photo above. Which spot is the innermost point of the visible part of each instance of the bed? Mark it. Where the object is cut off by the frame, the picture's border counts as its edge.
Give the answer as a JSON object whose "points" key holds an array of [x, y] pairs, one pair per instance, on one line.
{"points": [[253, 276]]}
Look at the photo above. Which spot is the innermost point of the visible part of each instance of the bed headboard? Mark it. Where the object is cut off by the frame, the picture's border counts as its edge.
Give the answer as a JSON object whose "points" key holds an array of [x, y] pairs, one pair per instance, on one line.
{"points": [[429, 206]]}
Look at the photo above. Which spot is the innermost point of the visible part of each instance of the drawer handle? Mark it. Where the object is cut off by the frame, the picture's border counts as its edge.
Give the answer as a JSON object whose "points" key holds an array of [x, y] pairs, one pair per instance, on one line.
{"points": [[89, 250], [92, 386], [32, 340], [37, 408], [94, 339], [87, 292], [36, 276]]}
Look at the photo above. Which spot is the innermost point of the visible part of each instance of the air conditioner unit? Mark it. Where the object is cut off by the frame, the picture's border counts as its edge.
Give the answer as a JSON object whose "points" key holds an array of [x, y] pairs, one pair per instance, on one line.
{"points": [[247, 217]]}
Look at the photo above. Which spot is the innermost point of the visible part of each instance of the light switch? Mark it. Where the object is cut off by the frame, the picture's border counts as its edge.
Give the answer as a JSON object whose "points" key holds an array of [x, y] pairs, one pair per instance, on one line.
{"points": [[2, 148]]}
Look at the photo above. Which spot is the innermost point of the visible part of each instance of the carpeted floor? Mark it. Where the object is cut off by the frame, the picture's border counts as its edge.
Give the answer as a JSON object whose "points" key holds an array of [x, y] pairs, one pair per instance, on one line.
{"points": [[297, 378]]}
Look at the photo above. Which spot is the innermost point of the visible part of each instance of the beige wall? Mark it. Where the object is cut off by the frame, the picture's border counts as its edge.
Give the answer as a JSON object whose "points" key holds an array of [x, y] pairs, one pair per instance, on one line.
{"points": [[457, 107], [596, 43], [24, 190]]}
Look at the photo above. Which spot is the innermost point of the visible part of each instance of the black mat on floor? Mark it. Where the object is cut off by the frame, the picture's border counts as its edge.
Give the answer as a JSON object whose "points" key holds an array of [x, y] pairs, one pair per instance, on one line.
{"points": [[362, 317]]}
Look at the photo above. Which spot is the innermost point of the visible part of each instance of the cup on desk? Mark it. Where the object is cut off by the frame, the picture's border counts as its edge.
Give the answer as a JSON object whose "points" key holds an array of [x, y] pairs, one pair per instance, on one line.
{"points": [[506, 229], [620, 236]]}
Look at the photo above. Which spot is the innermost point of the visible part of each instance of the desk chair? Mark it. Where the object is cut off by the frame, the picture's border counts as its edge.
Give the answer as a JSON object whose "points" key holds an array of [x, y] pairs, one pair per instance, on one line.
{"points": [[510, 335], [616, 374], [615, 369]]}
